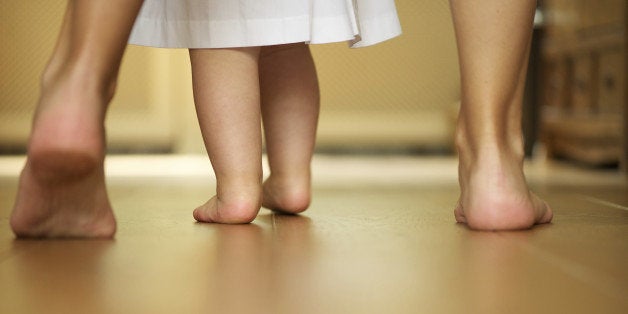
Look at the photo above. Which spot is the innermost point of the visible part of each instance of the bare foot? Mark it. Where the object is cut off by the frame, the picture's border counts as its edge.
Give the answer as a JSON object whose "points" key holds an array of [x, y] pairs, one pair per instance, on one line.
{"points": [[495, 196], [62, 188], [231, 209], [287, 196]]}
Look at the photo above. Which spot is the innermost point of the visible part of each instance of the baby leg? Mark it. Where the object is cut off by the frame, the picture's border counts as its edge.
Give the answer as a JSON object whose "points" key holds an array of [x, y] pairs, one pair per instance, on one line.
{"points": [[62, 188], [290, 106], [226, 93], [493, 40]]}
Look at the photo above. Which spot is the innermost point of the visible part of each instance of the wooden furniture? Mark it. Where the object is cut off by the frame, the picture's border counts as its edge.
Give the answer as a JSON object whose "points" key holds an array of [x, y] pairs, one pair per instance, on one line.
{"points": [[583, 80]]}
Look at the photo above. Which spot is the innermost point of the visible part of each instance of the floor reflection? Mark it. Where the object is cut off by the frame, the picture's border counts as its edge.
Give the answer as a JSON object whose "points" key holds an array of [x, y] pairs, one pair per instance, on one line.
{"points": [[258, 262], [62, 273]]}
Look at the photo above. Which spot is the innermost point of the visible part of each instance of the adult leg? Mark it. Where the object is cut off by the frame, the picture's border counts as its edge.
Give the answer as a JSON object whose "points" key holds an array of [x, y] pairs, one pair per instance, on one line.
{"points": [[493, 45], [226, 93], [62, 189], [290, 106]]}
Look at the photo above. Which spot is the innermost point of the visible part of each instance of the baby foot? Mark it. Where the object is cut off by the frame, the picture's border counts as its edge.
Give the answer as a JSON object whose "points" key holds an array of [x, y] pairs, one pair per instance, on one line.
{"points": [[287, 196], [235, 211]]}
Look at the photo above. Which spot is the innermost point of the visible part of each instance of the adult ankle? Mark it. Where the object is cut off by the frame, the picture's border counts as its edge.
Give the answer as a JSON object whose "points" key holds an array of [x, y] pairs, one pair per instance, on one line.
{"points": [[79, 76], [475, 144]]}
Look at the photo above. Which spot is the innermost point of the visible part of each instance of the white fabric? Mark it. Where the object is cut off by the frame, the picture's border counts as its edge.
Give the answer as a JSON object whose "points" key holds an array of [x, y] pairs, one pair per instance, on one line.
{"points": [[243, 23]]}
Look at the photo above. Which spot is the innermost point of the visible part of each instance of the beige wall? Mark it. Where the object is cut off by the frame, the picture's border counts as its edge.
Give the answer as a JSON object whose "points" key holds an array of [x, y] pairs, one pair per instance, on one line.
{"points": [[27, 34], [141, 116], [396, 94]]}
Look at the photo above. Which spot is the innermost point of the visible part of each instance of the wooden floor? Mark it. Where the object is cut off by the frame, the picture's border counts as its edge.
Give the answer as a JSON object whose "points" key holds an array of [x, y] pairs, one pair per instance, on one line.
{"points": [[379, 238]]}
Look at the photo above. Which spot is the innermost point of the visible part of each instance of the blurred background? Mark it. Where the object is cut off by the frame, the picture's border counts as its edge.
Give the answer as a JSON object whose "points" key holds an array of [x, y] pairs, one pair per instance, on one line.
{"points": [[399, 97]]}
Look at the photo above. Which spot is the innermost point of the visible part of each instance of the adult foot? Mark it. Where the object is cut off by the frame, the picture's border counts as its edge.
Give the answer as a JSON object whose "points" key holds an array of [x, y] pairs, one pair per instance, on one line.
{"points": [[495, 196], [62, 191]]}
